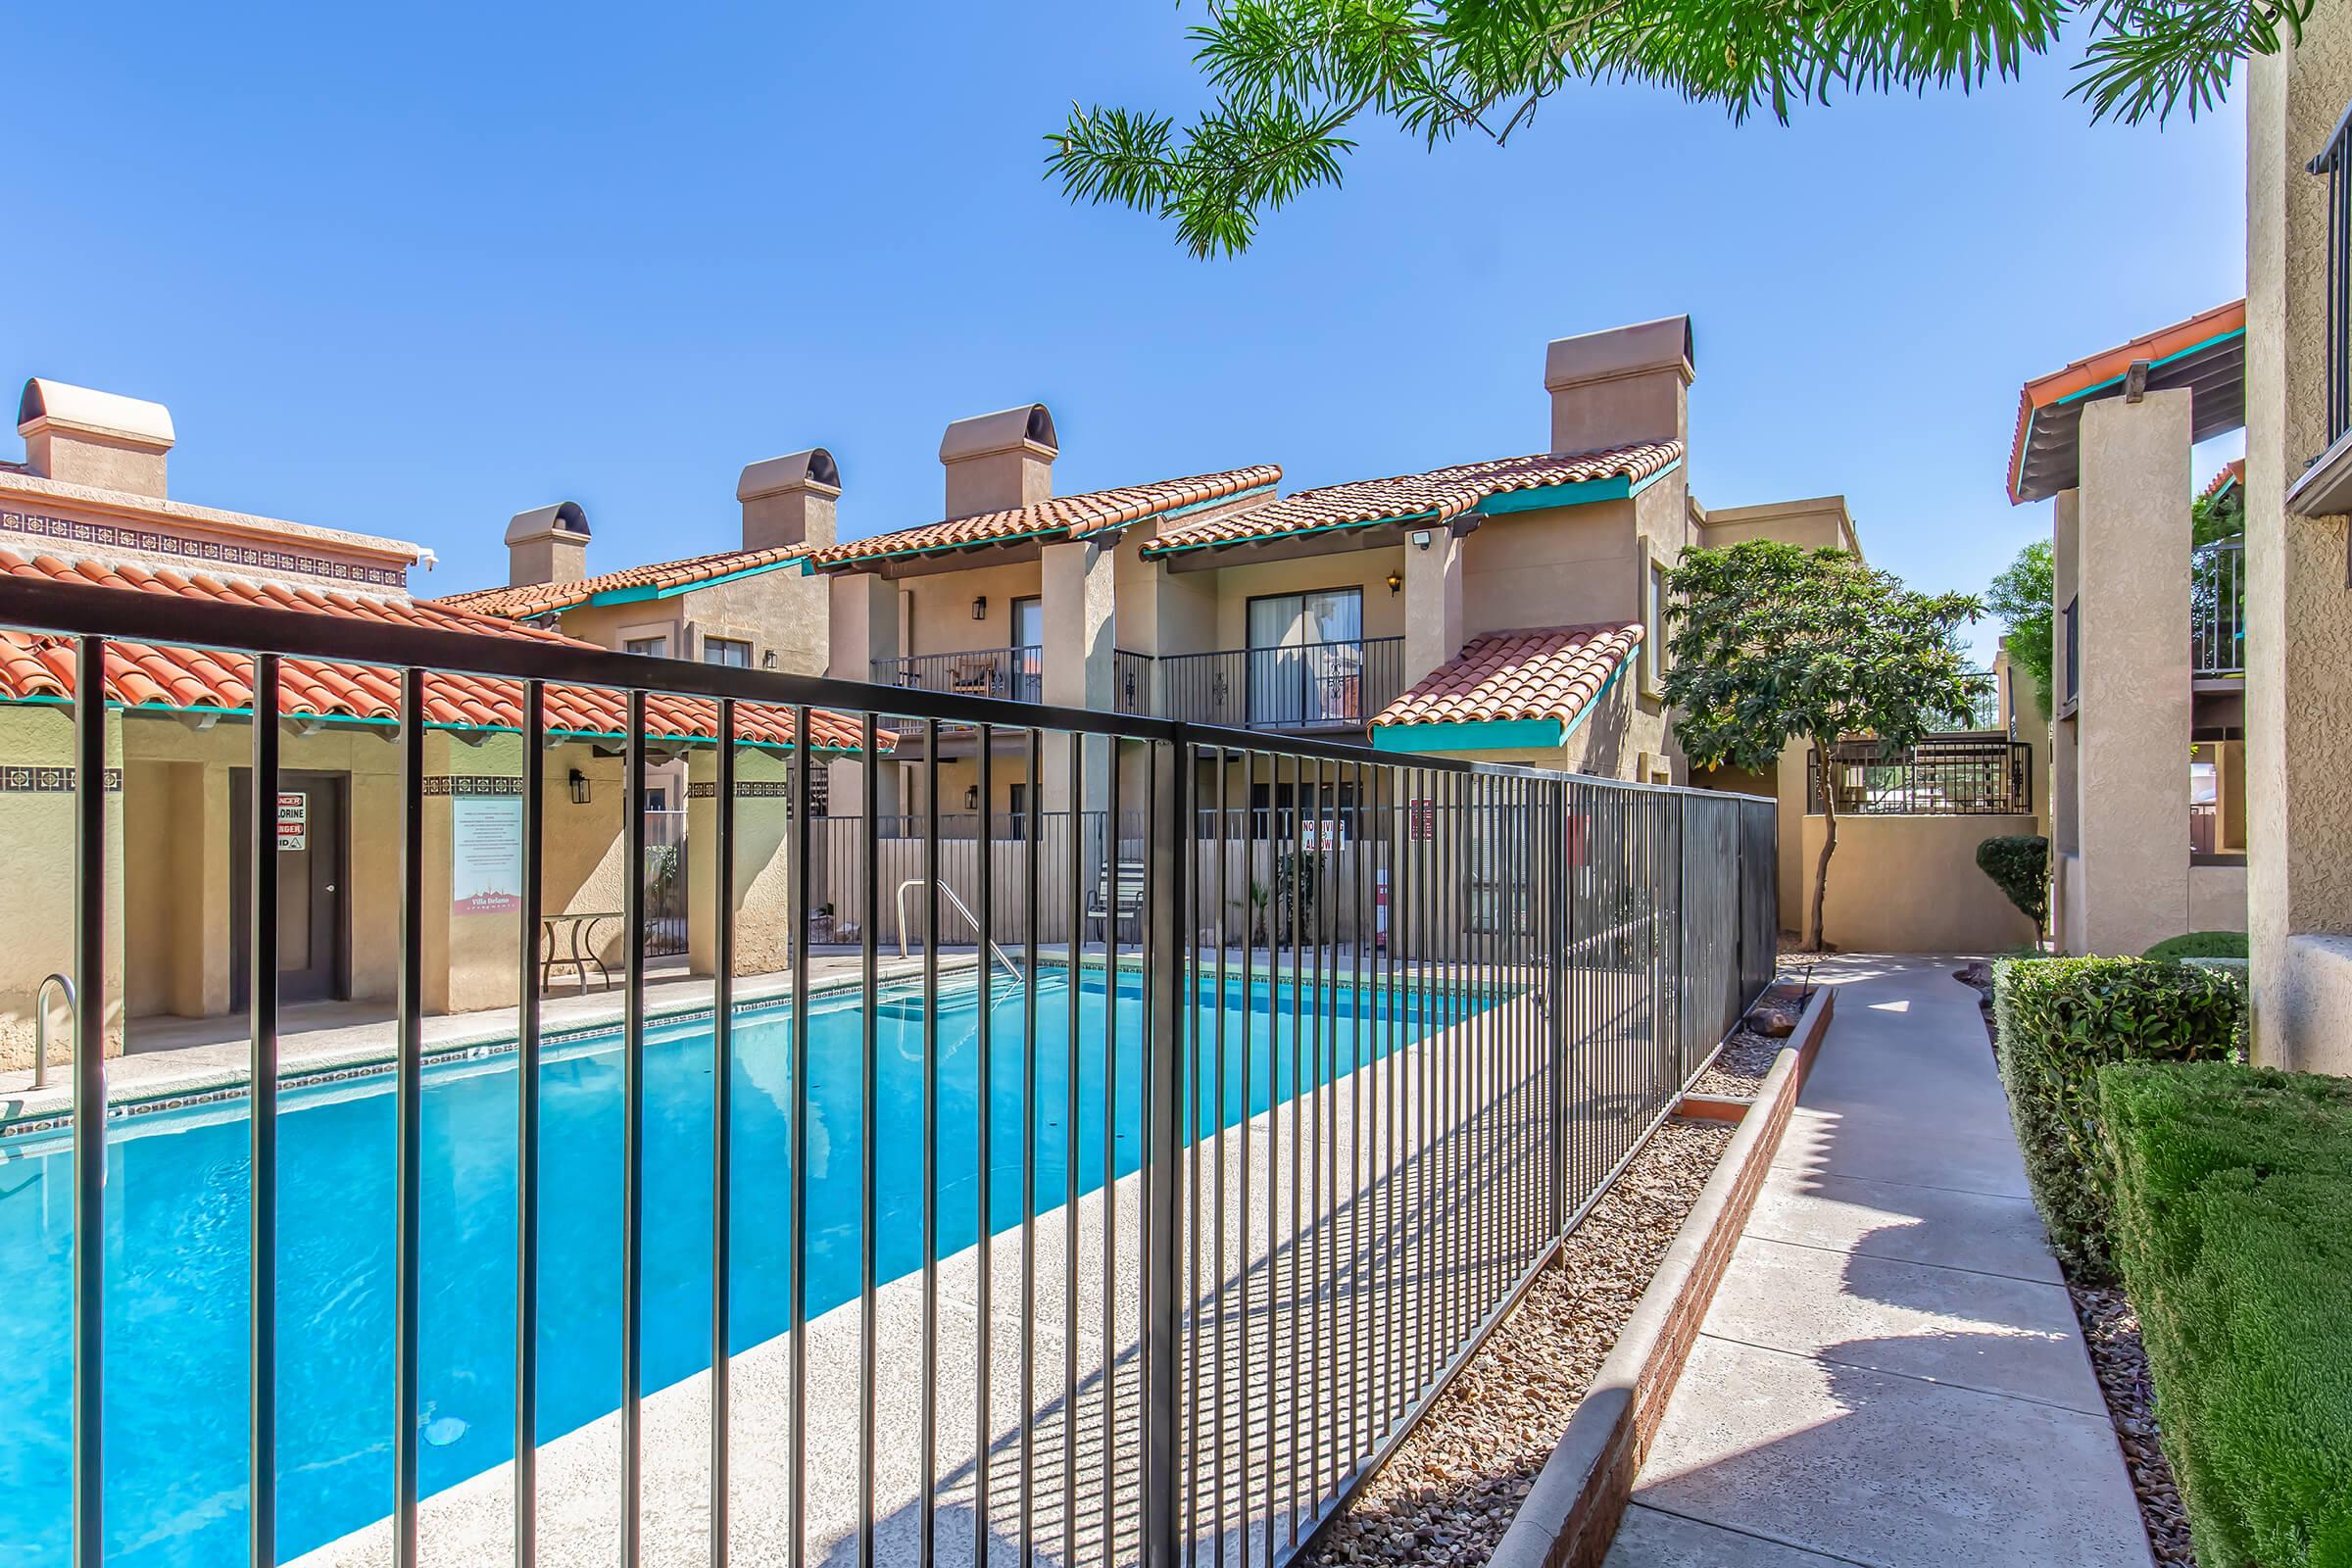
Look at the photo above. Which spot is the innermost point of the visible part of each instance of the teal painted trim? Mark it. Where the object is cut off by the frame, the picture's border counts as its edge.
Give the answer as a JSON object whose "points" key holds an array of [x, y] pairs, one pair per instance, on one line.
{"points": [[1493, 736], [1644, 484], [339, 719], [2118, 381], [634, 595], [1555, 495], [1599, 697], [1190, 507], [1428, 515]]}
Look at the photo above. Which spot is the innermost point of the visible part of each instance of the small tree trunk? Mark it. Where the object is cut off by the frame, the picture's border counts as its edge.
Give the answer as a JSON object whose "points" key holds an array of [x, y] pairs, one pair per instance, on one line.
{"points": [[1829, 842]]}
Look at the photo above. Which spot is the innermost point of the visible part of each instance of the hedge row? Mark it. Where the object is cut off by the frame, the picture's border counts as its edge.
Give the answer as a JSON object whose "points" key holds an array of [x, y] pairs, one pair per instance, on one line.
{"points": [[2058, 1022], [2233, 1224]]}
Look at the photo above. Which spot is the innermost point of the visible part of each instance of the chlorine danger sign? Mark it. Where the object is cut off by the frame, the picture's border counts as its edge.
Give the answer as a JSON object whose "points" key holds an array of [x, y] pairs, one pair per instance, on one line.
{"points": [[293, 821]]}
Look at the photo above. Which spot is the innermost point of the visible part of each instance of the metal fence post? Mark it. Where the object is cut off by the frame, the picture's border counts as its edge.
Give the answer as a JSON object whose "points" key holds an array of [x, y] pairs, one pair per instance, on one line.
{"points": [[1169, 837]]}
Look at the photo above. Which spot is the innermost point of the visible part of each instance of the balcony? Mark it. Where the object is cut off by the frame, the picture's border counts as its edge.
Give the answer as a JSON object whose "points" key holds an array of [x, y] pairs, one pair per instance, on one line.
{"points": [[1014, 673], [2217, 610], [1301, 686], [1944, 775]]}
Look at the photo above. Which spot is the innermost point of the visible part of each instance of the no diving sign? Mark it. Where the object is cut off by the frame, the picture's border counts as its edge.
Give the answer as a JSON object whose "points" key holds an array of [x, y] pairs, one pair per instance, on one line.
{"points": [[293, 821]]}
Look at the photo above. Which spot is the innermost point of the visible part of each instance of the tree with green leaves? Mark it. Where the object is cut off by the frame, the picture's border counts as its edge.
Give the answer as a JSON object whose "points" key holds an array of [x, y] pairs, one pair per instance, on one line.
{"points": [[1774, 645], [1290, 78], [2021, 597]]}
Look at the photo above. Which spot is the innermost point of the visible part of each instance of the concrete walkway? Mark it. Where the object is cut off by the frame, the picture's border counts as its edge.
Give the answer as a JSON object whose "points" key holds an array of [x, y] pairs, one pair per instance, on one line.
{"points": [[1891, 1374]]}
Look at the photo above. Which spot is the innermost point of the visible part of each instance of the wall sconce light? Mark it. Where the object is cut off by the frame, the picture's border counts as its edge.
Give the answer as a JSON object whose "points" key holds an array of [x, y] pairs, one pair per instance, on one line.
{"points": [[1396, 582], [579, 787], [971, 797], [980, 606], [1420, 538]]}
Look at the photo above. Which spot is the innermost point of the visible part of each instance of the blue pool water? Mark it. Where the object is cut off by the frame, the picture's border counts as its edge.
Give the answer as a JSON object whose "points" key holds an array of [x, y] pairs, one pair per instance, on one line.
{"points": [[176, 1249]]}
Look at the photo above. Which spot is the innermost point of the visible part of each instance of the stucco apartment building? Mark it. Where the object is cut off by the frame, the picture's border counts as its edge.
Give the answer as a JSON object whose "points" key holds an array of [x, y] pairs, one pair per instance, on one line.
{"points": [[89, 503], [2151, 644], [2298, 557]]}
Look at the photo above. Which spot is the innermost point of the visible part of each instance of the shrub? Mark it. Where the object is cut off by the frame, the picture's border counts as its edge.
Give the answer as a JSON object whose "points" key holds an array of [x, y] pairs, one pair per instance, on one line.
{"points": [[2232, 1187], [2058, 1021], [2199, 945], [2019, 865]]}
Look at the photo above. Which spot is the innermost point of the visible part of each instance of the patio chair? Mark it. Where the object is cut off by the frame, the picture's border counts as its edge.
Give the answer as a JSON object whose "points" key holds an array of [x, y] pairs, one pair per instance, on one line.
{"points": [[1130, 909]]}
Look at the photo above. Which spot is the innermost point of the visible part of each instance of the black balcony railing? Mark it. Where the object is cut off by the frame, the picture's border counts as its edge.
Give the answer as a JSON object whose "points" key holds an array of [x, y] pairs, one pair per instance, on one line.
{"points": [[2334, 164], [1476, 990], [1133, 674], [1944, 775], [2216, 609], [1303, 686], [1012, 674], [2072, 618]]}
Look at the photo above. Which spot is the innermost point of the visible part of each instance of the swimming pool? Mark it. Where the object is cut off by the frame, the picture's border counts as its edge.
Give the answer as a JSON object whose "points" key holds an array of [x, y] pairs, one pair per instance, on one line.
{"points": [[177, 1242]]}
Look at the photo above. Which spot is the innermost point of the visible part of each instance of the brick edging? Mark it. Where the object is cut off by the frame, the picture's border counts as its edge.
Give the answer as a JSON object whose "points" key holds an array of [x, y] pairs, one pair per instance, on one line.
{"points": [[1570, 1515]]}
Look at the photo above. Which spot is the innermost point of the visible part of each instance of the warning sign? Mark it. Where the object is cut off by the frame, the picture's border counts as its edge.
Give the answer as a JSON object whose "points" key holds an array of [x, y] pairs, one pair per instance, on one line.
{"points": [[293, 821]]}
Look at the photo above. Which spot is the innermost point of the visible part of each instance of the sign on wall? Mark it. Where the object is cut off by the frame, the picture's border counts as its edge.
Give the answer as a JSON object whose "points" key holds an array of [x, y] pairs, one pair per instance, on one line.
{"points": [[486, 853], [293, 821]]}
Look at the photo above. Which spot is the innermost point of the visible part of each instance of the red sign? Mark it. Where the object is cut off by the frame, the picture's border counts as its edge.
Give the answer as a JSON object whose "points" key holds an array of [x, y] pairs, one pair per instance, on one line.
{"points": [[293, 821], [1422, 817], [1575, 847]]}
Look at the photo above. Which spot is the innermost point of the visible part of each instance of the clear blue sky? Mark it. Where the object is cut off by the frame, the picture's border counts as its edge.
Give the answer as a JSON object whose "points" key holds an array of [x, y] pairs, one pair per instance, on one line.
{"points": [[413, 271]]}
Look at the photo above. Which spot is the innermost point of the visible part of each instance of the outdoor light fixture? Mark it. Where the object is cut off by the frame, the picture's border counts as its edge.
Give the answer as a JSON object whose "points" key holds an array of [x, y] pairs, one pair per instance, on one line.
{"points": [[579, 787], [1420, 538], [980, 606], [1396, 582], [971, 797]]}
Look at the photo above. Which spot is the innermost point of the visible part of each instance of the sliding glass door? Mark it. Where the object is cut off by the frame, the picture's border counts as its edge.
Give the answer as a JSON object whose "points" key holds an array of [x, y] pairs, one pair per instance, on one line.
{"points": [[1305, 659]]}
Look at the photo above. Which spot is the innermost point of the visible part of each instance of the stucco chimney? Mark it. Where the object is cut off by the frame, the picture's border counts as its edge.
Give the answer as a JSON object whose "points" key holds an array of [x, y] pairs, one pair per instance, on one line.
{"points": [[1616, 388], [998, 461], [789, 500], [548, 544], [95, 438]]}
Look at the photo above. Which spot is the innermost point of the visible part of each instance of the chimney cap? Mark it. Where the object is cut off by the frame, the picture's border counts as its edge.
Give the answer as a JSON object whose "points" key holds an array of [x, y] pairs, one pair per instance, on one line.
{"points": [[1031, 426], [50, 404], [812, 469], [1620, 351], [564, 517]]}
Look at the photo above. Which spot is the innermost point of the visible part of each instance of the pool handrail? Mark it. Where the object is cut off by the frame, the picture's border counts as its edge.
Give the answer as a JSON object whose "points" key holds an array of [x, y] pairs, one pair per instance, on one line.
{"points": [[40, 1023], [1011, 969]]}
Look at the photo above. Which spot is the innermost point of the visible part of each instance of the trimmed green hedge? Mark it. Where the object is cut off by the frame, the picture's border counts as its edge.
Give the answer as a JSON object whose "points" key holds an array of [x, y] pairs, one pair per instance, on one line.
{"points": [[2019, 865], [2233, 1227], [2199, 945], [2058, 1022]]}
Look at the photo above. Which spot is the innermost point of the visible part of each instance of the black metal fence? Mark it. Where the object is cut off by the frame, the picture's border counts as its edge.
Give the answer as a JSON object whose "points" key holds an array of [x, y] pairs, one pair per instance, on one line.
{"points": [[1144, 1239], [1944, 775], [2216, 609], [1015, 674]]}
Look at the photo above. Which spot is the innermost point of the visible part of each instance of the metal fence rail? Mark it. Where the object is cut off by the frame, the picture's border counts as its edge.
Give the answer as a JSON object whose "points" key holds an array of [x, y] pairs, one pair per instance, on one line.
{"points": [[1944, 775], [1151, 1255], [2216, 609], [1300, 686]]}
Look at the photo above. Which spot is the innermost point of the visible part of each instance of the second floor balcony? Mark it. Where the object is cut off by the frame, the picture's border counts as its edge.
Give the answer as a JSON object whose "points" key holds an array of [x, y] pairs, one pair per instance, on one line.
{"points": [[1015, 674], [1298, 686], [2216, 609]]}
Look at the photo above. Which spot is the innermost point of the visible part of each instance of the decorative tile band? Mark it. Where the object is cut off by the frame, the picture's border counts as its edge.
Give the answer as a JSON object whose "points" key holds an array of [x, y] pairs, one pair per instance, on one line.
{"points": [[19, 780], [746, 788], [155, 543], [472, 784]]}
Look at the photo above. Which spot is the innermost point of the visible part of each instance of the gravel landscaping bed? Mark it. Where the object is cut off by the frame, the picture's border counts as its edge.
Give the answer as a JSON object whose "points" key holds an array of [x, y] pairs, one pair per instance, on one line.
{"points": [[2110, 1329], [1450, 1493], [1739, 1066]]}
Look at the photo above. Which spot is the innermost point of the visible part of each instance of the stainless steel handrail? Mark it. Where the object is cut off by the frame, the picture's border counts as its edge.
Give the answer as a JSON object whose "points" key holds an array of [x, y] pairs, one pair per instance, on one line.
{"points": [[40, 1023], [1011, 969]]}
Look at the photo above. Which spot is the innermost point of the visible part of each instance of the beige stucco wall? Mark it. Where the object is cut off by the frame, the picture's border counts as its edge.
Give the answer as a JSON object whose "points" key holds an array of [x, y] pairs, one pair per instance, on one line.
{"points": [[2132, 730], [2299, 635], [36, 869], [2216, 897], [1817, 522], [1910, 884], [779, 612]]}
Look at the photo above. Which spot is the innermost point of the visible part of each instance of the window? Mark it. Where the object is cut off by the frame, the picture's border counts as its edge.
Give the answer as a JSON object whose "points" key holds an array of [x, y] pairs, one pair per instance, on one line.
{"points": [[732, 652], [1016, 802], [1306, 658], [649, 647]]}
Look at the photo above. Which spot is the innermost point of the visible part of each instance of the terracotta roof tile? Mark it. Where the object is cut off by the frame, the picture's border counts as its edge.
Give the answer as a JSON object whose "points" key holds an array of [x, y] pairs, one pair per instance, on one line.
{"points": [[1554, 672], [1440, 495], [1061, 518], [2082, 375], [139, 675], [2232, 472], [542, 598]]}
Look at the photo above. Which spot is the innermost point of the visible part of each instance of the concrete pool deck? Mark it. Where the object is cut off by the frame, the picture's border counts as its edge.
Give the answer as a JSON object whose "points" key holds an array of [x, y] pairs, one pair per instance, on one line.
{"points": [[1376, 1280]]}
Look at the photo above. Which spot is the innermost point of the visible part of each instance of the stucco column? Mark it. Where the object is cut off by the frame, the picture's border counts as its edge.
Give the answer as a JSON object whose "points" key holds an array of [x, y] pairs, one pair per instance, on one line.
{"points": [[1077, 593], [1433, 603], [2299, 609], [2132, 729]]}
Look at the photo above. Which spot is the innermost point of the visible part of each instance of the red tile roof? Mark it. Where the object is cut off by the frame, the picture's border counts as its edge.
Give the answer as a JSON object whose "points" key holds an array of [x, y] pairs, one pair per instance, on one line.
{"points": [[2064, 386], [1061, 518], [1554, 672], [2232, 472], [542, 598], [1438, 496], [138, 676]]}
